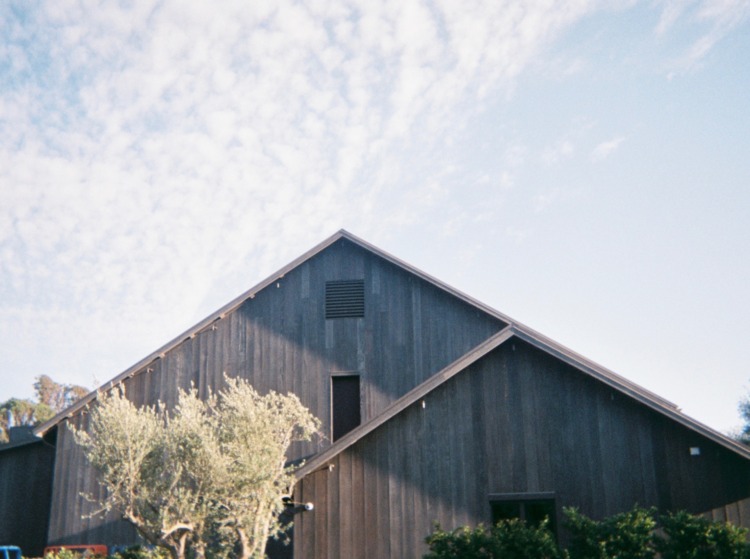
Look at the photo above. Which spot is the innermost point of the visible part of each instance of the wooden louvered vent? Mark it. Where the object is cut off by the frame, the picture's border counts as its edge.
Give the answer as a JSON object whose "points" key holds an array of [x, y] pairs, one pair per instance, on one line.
{"points": [[345, 299]]}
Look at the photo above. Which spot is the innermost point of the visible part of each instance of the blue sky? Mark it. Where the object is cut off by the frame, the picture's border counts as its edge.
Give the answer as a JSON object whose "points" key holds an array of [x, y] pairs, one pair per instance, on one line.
{"points": [[583, 167]]}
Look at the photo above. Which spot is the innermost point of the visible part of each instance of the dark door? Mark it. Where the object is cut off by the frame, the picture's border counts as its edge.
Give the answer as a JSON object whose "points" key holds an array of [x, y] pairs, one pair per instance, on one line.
{"points": [[345, 413]]}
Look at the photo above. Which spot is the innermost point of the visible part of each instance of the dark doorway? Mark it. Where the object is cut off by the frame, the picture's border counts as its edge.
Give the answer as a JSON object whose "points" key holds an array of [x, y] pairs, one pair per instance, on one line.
{"points": [[345, 407], [531, 508]]}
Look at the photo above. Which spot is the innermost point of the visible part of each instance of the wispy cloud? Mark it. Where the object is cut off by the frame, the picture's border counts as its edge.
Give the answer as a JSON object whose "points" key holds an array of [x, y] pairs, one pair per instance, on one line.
{"points": [[158, 157], [605, 149], [559, 152], [542, 201], [714, 20], [671, 11], [150, 147]]}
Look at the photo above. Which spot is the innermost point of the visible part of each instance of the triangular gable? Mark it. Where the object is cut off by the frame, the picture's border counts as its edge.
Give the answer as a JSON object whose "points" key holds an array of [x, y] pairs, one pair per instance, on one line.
{"points": [[238, 301], [546, 345]]}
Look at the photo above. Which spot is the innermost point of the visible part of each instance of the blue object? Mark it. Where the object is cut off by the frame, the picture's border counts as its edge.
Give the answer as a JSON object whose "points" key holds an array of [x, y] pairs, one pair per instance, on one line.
{"points": [[10, 552]]}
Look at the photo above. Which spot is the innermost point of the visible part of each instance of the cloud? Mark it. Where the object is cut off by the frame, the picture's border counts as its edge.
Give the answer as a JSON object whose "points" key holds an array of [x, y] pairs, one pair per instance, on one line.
{"points": [[714, 18], [605, 149], [561, 151], [671, 12], [542, 201], [154, 148]]}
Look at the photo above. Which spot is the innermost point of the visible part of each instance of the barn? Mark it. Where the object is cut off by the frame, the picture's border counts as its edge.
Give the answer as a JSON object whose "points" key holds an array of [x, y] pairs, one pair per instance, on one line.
{"points": [[26, 464], [435, 407]]}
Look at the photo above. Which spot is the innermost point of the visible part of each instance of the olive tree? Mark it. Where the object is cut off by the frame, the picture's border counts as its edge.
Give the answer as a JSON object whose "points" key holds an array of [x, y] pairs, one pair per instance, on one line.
{"points": [[207, 475]]}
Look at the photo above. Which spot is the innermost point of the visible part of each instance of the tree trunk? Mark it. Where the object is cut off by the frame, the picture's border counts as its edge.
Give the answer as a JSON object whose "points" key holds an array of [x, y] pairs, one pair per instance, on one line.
{"points": [[245, 549], [200, 549], [181, 545]]}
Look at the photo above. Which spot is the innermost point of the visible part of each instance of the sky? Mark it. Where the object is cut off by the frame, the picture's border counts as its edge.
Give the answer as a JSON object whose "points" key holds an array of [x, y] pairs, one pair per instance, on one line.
{"points": [[583, 167]]}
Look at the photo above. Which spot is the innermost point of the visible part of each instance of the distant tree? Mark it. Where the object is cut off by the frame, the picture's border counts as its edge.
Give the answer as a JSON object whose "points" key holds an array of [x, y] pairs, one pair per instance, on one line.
{"points": [[744, 408], [52, 398], [208, 475], [56, 395], [18, 412]]}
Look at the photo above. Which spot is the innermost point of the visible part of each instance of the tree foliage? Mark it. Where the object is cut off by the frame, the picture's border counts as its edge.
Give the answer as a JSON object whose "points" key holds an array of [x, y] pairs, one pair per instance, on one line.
{"points": [[508, 539], [57, 396], [744, 433], [635, 534], [628, 535], [695, 537], [51, 398], [17, 412], [207, 475]]}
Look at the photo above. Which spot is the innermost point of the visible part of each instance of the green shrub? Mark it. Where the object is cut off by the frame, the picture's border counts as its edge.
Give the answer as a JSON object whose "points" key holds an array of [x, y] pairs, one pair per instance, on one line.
{"points": [[695, 537], [508, 539], [628, 535], [461, 542], [65, 554], [141, 552]]}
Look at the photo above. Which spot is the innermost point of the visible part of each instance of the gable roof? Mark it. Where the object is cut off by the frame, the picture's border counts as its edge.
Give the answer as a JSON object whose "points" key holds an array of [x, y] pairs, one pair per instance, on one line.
{"points": [[249, 294], [506, 335], [513, 329]]}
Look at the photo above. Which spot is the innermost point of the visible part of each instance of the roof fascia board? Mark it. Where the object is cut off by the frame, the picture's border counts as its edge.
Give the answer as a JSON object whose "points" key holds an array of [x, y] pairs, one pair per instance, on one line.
{"points": [[407, 400]]}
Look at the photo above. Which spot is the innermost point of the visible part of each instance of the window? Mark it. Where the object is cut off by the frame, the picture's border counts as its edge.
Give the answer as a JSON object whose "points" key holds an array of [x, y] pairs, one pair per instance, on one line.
{"points": [[532, 508], [345, 299], [345, 413]]}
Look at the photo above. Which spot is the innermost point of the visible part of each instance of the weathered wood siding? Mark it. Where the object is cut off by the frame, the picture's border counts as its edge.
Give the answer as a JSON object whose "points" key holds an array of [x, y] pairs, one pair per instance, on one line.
{"points": [[280, 340], [518, 421], [25, 488], [737, 513]]}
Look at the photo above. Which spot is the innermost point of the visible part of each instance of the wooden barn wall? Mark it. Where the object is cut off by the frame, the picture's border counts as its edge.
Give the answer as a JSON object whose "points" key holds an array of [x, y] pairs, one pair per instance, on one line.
{"points": [[25, 488], [516, 422], [280, 340], [737, 513]]}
